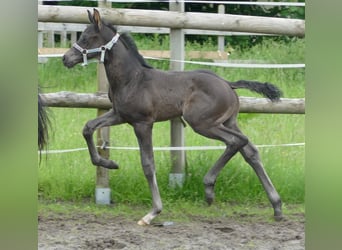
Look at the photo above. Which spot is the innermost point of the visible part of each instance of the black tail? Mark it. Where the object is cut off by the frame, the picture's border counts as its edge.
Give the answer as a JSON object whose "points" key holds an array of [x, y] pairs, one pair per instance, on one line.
{"points": [[266, 89], [43, 124]]}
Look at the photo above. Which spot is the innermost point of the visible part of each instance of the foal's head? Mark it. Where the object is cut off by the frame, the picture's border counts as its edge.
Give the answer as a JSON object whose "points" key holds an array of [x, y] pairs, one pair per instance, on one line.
{"points": [[97, 37]]}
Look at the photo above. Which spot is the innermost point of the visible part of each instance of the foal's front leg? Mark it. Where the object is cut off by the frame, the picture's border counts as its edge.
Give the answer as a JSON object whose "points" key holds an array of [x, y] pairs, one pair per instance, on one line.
{"points": [[144, 134], [107, 119]]}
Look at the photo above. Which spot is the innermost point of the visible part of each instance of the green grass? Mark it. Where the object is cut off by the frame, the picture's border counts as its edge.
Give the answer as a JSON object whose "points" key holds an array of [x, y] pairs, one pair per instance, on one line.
{"points": [[71, 176]]}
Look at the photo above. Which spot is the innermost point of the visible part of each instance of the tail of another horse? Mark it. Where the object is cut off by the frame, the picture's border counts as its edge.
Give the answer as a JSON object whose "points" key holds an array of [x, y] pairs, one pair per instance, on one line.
{"points": [[43, 124], [266, 89]]}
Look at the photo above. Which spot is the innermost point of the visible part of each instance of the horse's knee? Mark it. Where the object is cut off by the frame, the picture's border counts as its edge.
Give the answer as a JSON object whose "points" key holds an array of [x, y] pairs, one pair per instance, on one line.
{"points": [[244, 140], [87, 131], [251, 154]]}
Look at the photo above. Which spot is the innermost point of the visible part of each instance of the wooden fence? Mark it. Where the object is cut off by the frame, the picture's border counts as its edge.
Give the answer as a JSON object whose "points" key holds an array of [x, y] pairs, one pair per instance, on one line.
{"points": [[68, 32], [177, 20]]}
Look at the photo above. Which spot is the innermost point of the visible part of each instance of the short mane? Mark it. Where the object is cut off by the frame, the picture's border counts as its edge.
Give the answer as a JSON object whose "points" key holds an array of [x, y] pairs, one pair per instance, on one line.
{"points": [[130, 44]]}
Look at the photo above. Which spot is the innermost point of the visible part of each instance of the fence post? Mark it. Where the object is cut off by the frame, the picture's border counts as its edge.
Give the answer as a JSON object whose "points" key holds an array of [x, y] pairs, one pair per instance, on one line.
{"points": [[41, 45], [51, 38], [177, 176], [63, 38], [73, 38], [220, 39], [102, 191]]}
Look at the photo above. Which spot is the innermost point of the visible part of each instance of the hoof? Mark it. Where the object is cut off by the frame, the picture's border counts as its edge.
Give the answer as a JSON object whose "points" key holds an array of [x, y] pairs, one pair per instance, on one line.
{"points": [[113, 165], [142, 223], [209, 195], [109, 164], [278, 217], [209, 200]]}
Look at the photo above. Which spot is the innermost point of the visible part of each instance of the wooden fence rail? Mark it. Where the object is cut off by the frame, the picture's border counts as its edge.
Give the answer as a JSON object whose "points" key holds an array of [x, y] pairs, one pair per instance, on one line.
{"points": [[177, 20], [79, 27], [66, 99], [211, 55]]}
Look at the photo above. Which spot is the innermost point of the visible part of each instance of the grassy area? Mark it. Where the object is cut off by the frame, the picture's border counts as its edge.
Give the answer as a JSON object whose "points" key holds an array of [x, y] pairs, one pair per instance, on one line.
{"points": [[71, 176], [182, 211]]}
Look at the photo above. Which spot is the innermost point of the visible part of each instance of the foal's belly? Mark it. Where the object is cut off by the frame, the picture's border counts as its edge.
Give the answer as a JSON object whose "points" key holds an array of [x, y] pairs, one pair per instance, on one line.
{"points": [[167, 111]]}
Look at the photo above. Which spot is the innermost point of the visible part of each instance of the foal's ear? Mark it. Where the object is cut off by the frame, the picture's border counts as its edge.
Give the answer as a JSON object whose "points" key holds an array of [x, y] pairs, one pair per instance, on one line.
{"points": [[97, 19], [91, 19]]}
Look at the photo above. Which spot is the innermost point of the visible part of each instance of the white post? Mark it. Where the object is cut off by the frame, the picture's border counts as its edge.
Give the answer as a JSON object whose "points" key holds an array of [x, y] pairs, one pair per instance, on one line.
{"points": [[40, 33], [102, 190], [73, 37], [63, 38], [40, 45], [40, 39], [51, 38], [177, 176], [220, 39]]}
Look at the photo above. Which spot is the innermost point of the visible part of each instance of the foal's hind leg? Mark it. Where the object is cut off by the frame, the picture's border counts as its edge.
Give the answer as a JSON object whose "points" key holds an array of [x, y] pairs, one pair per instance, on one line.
{"points": [[234, 141], [107, 119], [251, 155]]}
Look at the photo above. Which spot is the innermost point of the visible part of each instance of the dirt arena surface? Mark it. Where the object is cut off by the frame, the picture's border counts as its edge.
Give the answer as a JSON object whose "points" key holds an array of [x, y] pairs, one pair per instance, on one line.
{"points": [[89, 231]]}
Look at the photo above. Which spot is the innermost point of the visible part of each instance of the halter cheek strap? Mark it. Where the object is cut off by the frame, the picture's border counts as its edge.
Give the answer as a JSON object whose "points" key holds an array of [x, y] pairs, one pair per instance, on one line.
{"points": [[101, 49]]}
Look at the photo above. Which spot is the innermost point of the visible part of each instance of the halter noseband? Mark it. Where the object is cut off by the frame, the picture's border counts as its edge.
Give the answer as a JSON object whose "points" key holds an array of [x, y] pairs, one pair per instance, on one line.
{"points": [[101, 49]]}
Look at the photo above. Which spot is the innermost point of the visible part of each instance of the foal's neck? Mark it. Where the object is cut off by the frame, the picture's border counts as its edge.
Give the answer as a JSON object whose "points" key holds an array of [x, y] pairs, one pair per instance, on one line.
{"points": [[121, 66]]}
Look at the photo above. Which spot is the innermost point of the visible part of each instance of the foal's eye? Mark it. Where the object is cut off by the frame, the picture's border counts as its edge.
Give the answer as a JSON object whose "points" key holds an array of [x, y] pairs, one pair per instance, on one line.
{"points": [[84, 41]]}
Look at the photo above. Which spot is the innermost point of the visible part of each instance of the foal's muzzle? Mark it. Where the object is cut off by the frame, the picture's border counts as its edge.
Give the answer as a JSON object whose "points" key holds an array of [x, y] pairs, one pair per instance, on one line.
{"points": [[67, 61]]}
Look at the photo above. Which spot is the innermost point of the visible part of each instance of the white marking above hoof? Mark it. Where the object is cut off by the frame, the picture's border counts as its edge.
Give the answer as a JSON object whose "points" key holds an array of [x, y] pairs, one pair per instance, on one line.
{"points": [[143, 223]]}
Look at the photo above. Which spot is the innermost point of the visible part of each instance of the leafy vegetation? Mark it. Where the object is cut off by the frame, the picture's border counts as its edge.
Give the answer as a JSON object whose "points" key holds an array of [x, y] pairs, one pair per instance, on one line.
{"points": [[71, 176]]}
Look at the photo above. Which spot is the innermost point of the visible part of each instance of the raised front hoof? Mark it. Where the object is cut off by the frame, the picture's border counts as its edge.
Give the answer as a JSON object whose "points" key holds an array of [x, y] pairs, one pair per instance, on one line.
{"points": [[112, 165], [109, 164]]}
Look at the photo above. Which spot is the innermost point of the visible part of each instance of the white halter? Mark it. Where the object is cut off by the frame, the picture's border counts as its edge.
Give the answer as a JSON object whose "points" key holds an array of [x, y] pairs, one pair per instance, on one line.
{"points": [[101, 49]]}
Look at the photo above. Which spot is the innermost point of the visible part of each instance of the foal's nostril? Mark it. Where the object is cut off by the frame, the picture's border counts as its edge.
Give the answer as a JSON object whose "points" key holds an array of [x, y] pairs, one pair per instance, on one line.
{"points": [[64, 60]]}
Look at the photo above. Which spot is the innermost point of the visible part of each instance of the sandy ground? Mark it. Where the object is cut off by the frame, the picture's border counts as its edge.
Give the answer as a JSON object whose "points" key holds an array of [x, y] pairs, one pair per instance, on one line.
{"points": [[89, 231]]}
